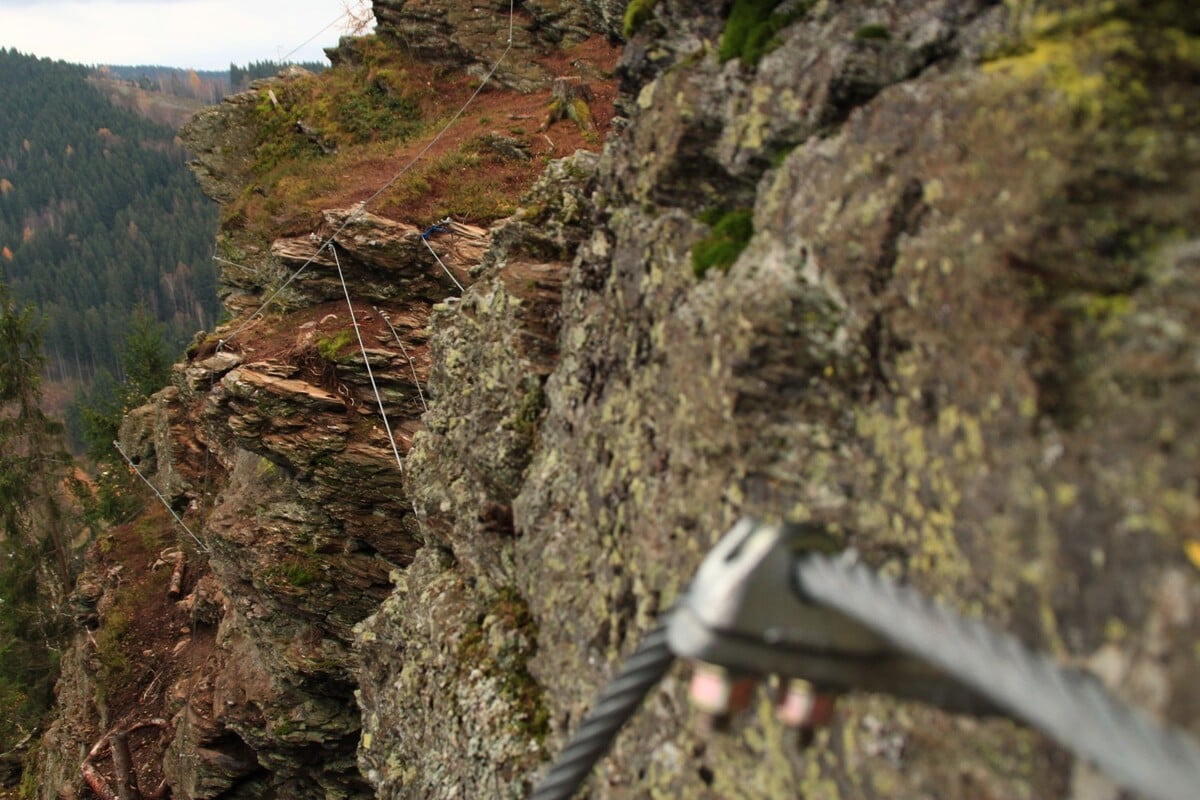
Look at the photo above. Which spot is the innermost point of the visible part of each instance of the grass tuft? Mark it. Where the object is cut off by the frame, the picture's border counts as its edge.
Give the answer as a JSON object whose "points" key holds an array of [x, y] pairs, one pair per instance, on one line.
{"points": [[731, 232]]}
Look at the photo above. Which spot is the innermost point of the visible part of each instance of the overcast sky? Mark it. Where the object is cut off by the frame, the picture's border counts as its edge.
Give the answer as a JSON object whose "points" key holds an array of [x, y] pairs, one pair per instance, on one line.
{"points": [[202, 34]]}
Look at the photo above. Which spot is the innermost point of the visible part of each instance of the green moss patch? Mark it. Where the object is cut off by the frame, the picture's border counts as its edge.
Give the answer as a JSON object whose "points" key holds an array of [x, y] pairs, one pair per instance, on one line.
{"points": [[310, 116], [330, 346], [296, 571], [298, 574], [509, 611]]}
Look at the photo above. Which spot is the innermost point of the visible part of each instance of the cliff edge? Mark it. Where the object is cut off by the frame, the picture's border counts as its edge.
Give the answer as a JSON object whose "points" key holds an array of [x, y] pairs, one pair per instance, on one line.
{"points": [[926, 269]]}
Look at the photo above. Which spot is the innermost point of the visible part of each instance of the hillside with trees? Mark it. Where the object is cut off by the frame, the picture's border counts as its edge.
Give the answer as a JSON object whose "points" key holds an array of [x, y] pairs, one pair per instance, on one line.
{"points": [[172, 95], [105, 272], [42, 530], [98, 216], [240, 77], [208, 86]]}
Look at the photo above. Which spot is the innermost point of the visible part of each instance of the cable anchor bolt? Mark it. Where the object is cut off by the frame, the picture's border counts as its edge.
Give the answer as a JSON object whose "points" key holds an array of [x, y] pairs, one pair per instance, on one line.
{"points": [[746, 612]]}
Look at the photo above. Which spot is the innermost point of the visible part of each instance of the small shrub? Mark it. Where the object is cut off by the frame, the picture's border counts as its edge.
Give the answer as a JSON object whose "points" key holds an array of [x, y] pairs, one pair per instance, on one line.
{"points": [[295, 571], [114, 667], [298, 575], [30, 773], [530, 410], [151, 533]]}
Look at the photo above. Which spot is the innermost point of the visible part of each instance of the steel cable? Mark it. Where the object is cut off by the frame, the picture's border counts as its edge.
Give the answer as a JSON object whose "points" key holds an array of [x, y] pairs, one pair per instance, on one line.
{"points": [[616, 704], [367, 361], [1071, 707]]}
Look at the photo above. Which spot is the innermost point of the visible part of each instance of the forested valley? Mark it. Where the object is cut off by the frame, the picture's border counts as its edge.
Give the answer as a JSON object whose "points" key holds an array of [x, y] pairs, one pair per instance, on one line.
{"points": [[102, 228]]}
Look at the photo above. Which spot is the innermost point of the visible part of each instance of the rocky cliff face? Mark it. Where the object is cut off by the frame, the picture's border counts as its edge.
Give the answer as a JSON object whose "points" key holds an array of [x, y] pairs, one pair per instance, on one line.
{"points": [[925, 269]]}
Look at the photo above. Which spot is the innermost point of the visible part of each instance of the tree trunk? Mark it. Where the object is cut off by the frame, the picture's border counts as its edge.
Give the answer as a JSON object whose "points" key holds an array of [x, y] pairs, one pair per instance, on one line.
{"points": [[127, 788]]}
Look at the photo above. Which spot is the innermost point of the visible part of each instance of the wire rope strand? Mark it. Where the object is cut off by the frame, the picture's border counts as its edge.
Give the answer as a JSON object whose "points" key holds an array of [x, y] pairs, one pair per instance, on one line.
{"points": [[442, 264], [162, 499], [226, 261], [1072, 707], [367, 361], [615, 705], [412, 365], [453, 120], [300, 46]]}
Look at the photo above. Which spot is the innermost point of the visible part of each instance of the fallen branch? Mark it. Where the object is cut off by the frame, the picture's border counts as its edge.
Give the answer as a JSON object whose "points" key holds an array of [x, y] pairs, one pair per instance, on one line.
{"points": [[96, 783], [149, 690]]}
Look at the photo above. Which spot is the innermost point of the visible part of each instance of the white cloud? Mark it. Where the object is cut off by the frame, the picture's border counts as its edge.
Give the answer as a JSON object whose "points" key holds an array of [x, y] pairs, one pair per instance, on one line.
{"points": [[203, 34]]}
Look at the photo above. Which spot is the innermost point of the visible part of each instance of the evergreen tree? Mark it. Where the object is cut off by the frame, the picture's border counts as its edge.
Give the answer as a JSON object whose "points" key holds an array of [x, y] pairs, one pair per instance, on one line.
{"points": [[100, 407], [36, 527], [146, 360], [20, 358], [145, 356], [240, 77]]}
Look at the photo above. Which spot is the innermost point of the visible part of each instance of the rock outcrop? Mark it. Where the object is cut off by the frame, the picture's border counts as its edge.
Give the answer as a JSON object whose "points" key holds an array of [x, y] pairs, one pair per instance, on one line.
{"points": [[925, 269], [891, 351], [465, 34]]}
